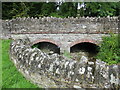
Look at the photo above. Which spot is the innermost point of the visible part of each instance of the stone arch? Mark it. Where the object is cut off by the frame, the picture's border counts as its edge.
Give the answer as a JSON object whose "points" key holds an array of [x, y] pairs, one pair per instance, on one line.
{"points": [[84, 45], [47, 44], [46, 40], [83, 40]]}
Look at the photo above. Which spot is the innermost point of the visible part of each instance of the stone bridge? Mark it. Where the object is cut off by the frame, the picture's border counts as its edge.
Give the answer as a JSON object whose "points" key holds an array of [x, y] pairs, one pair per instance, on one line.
{"points": [[65, 33], [68, 34], [63, 41]]}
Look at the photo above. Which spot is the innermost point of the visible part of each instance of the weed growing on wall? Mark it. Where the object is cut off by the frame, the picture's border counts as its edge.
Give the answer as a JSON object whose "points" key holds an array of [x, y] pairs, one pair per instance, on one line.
{"points": [[67, 54]]}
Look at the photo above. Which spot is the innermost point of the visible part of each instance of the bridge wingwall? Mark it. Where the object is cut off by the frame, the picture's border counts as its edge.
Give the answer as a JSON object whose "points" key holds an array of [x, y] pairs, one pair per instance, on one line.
{"points": [[55, 71]]}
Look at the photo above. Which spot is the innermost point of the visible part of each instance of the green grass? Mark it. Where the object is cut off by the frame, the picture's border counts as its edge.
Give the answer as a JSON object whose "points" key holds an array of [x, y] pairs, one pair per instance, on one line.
{"points": [[11, 78], [67, 54]]}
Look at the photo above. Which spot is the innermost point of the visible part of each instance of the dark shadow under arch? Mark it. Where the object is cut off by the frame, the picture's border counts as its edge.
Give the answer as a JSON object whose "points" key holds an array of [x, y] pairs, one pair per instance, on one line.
{"points": [[91, 48], [47, 47]]}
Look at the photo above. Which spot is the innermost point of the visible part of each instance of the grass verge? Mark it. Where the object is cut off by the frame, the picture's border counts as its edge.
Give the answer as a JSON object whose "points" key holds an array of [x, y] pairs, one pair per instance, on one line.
{"points": [[11, 77]]}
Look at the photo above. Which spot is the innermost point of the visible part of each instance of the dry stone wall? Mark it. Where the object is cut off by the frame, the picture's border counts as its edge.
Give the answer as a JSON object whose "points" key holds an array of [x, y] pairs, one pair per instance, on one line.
{"points": [[55, 71]]}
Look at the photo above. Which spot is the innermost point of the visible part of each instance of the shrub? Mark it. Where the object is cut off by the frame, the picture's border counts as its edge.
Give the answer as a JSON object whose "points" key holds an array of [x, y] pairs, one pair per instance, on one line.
{"points": [[110, 50]]}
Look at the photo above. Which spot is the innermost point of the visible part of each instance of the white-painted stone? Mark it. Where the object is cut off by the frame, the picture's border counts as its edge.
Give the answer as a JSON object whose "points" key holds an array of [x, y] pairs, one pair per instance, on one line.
{"points": [[114, 80], [75, 86], [26, 72], [37, 58], [89, 68], [57, 71], [66, 64], [76, 80], [57, 62], [90, 63], [81, 70], [32, 55], [51, 67], [39, 65], [84, 59], [71, 64]]}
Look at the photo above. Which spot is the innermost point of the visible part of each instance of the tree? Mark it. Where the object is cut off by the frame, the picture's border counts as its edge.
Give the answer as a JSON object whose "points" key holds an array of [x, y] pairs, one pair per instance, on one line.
{"points": [[102, 9], [48, 8], [68, 9], [37, 9], [11, 10]]}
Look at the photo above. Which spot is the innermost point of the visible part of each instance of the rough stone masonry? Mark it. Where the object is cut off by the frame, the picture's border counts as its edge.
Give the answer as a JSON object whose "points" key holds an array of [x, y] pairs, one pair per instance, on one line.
{"points": [[50, 25], [55, 71], [63, 32]]}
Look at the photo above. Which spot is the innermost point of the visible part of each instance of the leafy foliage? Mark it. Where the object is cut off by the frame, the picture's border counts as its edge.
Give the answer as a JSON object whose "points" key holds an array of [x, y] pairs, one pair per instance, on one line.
{"points": [[68, 9], [47, 9], [102, 9], [39, 9], [110, 50]]}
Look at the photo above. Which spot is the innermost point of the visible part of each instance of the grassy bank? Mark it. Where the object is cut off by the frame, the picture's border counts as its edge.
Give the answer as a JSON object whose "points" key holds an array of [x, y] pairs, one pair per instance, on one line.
{"points": [[11, 78]]}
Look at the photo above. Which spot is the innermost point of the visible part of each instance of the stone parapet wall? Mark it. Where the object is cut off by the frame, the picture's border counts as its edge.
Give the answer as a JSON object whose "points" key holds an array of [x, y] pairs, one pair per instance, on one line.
{"points": [[55, 71], [61, 25]]}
